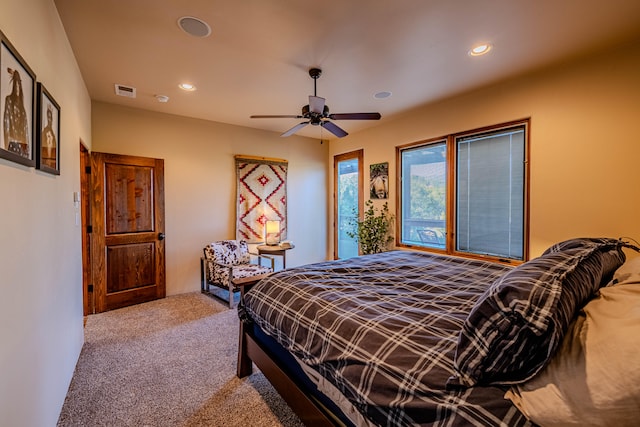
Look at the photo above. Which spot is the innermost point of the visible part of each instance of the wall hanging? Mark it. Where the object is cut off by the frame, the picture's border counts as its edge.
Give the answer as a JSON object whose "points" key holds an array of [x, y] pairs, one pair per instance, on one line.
{"points": [[261, 197]]}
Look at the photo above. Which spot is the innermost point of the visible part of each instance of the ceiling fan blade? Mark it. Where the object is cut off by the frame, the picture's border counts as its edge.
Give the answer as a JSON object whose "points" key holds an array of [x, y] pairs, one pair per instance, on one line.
{"points": [[295, 129], [334, 129], [355, 116], [276, 117], [316, 104]]}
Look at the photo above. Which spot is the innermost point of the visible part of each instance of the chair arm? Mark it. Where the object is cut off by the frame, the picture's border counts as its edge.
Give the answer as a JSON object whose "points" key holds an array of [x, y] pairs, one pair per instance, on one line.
{"points": [[205, 274], [219, 264], [208, 261]]}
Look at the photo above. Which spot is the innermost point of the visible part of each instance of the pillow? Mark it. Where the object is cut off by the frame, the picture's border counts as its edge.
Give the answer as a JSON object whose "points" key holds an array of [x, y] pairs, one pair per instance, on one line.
{"points": [[518, 323], [577, 244], [595, 377], [629, 272]]}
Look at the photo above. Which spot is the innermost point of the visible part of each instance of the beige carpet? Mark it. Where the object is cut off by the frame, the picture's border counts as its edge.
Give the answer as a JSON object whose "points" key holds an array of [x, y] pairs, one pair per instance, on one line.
{"points": [[169, 362]]}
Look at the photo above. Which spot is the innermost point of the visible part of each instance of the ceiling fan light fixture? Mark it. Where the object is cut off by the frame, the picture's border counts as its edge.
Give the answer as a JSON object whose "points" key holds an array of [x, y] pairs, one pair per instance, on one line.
{"points": [[480, 49], [316, 112]]}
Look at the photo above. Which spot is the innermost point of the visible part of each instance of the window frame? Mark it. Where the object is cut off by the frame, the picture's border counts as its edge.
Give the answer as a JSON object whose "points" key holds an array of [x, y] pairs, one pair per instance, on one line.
{"points": [[450, 141]]}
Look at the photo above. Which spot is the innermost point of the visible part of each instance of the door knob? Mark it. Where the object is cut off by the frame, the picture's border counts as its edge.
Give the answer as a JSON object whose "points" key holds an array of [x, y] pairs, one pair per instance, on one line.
{"points": [[160, 236]]}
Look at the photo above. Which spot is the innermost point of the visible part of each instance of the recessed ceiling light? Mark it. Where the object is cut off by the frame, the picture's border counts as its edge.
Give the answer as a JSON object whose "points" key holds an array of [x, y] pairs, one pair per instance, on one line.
{"points": [[194, 26], [382, 95], [480, 49], [187, 86]]}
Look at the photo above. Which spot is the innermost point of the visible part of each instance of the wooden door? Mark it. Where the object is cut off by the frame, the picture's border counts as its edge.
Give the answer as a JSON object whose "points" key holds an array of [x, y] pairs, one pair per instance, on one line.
{"points": [[127, 239]]}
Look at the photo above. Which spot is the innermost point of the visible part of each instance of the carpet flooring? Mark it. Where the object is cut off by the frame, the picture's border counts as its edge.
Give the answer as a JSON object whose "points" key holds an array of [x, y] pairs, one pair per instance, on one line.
{"points": [[169, 362]]}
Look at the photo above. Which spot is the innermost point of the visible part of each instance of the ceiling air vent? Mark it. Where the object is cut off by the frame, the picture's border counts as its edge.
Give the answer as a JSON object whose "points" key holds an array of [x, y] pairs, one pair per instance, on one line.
{"points": [[122, 90]]}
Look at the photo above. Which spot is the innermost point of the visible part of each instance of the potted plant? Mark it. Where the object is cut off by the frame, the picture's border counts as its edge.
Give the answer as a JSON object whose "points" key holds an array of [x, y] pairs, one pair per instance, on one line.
{"points": [[373, 232]]}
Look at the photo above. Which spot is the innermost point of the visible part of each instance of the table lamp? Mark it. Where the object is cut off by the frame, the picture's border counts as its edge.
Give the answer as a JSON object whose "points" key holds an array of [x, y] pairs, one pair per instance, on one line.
{"points": [[272, 231]]}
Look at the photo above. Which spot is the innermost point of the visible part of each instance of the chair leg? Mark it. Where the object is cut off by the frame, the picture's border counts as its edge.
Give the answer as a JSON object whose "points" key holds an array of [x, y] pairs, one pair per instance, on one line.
{"points": [[230, 285], [202, 274]]}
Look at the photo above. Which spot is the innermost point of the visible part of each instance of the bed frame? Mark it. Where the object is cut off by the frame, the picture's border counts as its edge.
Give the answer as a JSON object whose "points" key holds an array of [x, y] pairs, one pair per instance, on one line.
{"points": [[299, 397]]}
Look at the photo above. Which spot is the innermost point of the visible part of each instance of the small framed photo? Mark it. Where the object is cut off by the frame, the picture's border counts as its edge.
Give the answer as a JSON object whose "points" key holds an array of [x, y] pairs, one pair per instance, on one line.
{"points": [[379, 181], [48, 132], [17, 102]]}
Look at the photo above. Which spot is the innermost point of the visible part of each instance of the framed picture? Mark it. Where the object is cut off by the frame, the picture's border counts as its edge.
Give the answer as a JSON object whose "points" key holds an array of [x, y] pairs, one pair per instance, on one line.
{"points": [[379, 181], [17, 102], [48, 132]]}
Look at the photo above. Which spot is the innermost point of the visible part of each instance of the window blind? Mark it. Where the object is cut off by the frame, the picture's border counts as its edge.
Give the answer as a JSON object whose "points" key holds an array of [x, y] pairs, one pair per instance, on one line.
{"points": [[490, 195]]}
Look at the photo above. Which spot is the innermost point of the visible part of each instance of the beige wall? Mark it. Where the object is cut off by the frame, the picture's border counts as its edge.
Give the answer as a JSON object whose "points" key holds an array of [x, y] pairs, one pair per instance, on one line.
{"points": [[584, 164], [584, 143], [200, 183], [40, 261]]}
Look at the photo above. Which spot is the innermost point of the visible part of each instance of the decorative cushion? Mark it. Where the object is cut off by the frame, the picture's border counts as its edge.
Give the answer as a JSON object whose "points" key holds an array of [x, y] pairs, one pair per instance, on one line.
{"points": [[228, 252], [518, 323], [231, 252], [594, 379]]}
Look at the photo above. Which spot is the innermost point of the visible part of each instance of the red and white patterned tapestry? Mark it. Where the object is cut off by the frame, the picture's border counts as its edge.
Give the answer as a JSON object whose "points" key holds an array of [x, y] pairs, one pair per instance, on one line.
{"points": [[262, 196]]}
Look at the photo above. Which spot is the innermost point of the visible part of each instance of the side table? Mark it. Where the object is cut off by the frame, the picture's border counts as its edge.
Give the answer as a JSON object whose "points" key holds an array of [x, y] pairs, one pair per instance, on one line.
{"points": [[275, 250]]}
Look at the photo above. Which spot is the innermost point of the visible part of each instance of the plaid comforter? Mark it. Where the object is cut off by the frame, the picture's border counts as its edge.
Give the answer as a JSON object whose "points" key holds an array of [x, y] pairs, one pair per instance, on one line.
{"points": [[383, 330]]}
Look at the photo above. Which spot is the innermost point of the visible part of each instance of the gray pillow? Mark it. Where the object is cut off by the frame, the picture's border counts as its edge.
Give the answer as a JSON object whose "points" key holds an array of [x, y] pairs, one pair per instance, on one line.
{"points": [[594, 378], [518, 323]]}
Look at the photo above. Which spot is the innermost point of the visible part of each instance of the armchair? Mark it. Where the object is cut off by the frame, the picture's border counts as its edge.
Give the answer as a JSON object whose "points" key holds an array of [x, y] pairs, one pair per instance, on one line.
{"points": [[227, 265]]}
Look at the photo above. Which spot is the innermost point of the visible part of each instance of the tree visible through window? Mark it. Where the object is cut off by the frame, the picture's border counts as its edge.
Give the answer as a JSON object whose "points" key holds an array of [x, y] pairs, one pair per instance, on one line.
{"points": [[424, 195]]}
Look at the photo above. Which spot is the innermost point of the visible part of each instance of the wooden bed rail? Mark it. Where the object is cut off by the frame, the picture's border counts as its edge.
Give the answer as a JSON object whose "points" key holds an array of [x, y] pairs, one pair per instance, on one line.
{"points": [[310, 410]]}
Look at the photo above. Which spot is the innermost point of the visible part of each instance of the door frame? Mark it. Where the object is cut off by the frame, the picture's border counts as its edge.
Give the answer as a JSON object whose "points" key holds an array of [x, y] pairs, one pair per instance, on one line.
{"points": [[88, 301]]}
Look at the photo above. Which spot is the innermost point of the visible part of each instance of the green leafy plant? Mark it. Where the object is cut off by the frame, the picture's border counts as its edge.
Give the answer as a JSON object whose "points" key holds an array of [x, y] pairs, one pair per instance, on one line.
{"points": [[373, 232]]}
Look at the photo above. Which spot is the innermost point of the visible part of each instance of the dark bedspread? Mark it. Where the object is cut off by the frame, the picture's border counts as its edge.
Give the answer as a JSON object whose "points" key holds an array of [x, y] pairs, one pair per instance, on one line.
{"points": [[383, 329]]}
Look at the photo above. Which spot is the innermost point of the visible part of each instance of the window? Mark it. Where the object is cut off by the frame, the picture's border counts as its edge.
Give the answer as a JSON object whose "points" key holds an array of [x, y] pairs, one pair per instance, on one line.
{"points": [[424, 191], [465, 194]]}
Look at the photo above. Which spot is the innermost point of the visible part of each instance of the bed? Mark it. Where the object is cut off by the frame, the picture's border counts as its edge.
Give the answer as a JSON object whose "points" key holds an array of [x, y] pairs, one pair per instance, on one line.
{"points": [[408, 338]]}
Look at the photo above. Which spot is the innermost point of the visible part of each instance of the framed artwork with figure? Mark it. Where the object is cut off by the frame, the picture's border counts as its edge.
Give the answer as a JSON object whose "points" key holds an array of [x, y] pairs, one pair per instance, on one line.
{"points": [[48, 132], [379, 181], [17, 101]]}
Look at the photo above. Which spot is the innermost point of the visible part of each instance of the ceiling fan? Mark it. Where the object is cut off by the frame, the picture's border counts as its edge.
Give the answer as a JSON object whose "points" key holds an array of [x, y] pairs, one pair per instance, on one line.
{"points": [[317, 113]]}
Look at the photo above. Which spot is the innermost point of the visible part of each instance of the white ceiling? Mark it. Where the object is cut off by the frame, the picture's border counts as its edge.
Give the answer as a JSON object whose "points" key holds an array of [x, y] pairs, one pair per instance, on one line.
{"points": [[257, 58]]}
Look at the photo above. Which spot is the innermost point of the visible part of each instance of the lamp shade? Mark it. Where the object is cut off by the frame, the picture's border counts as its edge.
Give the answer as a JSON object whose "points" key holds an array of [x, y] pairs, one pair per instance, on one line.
{"points": [[272, 232], [273, 226]]}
